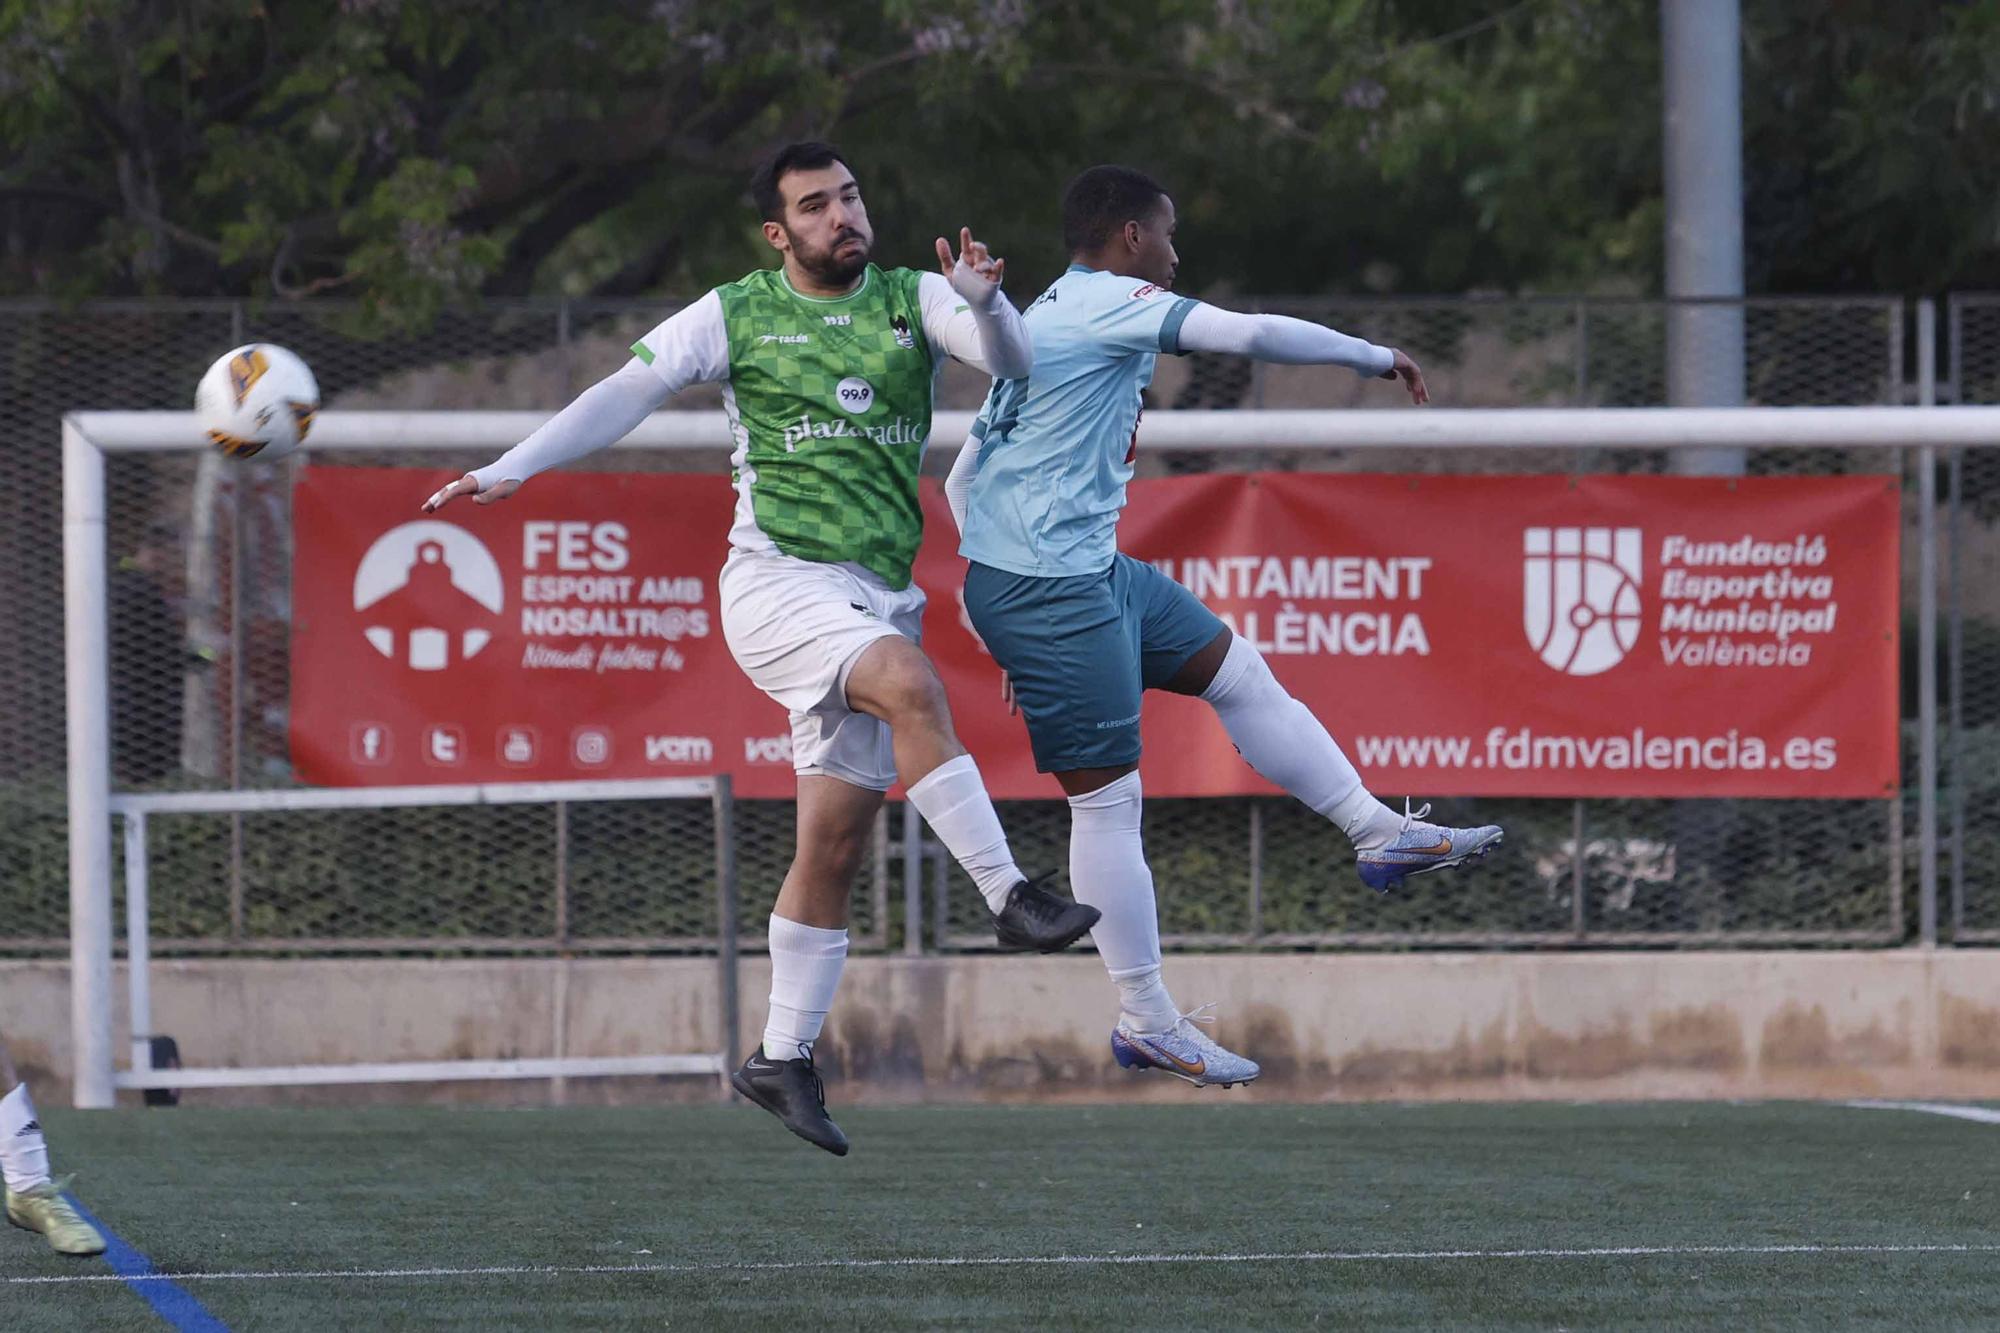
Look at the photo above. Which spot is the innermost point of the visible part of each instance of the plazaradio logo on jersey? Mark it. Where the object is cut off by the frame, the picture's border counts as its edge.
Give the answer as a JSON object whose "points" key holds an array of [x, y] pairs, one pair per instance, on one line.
{"points": [[429, 595], [1580, 595], [903, 430]]}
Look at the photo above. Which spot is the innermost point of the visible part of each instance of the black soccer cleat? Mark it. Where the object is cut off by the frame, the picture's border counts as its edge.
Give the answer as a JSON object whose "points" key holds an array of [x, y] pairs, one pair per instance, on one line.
{"points": [[791, 1091], [1037, 921]]}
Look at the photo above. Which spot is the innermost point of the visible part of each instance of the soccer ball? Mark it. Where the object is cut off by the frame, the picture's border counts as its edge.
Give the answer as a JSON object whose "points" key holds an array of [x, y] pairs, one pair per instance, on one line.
{"points": [[257, 400]]}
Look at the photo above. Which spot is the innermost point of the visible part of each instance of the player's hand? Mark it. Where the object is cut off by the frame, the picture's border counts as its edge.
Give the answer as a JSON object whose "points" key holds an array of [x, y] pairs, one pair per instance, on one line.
{"points": [[975, 274], [1007, 694], [1412, 376], [466, 485]]}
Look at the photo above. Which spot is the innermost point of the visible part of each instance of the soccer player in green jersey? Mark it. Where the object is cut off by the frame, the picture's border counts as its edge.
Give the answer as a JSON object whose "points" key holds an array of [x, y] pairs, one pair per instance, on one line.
{"points": [[827, 366]]}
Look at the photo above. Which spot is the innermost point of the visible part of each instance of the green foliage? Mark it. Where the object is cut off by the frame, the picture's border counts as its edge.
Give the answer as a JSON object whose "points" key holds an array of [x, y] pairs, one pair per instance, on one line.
{"points": [[416, 154]]}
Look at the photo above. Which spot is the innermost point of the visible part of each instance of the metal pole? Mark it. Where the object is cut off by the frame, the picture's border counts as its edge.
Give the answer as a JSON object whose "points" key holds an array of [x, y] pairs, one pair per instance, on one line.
{"points": [[913, 881], [567, 349], [559, 1025], [1582, 354], [1898, 930], [1702, 112], [233, 487], [1896, 389], [1955, 674], [88, 710], [1256, 869], [138, 942], [725, 920], [878, 897], [940, 902], [1955, 645], [559, 1038], [1578, 919], [562, 875], [1927, 702]]}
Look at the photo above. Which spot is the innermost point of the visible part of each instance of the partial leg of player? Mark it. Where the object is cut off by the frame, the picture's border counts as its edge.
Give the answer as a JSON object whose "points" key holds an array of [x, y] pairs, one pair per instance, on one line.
{"points": [[35, 1202], [894, 681], [1107, 868], [1281, 739]]}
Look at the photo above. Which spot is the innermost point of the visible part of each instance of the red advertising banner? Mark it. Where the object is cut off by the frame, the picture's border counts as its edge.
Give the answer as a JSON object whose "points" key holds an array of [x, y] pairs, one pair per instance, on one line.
{"points": [[1515, 636]]}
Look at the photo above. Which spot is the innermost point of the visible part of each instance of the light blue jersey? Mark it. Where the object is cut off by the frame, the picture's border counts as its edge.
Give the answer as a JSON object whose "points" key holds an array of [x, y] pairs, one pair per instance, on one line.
{"points": [[1057, 448]]}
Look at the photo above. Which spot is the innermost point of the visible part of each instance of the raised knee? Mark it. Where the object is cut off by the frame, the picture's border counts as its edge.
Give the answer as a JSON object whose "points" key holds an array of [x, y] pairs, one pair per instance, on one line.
{"points": [[834, 857], [914, 692]]}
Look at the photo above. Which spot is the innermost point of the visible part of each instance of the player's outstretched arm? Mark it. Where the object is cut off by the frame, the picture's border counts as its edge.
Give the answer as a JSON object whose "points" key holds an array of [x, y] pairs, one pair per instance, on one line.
{"points": [[1296, 342], [986, 332], [601, 415], [689, 347]]}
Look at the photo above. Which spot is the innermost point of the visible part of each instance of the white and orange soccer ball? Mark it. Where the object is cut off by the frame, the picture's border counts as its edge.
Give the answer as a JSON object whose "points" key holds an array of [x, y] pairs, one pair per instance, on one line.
{"points": [[257, 400]]}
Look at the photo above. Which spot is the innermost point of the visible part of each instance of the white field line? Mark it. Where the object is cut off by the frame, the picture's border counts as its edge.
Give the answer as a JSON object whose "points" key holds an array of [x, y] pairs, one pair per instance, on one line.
{"points": [[1023, 1261], [1985, 1115]]}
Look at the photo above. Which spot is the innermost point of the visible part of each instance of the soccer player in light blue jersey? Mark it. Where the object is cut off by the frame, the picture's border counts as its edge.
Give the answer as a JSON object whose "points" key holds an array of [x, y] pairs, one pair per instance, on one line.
{"points": [[1082, 630]]}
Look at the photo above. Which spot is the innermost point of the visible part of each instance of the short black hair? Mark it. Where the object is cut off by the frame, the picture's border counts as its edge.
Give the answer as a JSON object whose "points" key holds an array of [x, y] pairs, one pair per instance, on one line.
{"points": [[810, 155], [1101, 201]]}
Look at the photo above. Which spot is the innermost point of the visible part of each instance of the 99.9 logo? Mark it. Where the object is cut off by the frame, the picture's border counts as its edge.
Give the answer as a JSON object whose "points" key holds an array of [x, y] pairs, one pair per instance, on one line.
{"points": [[854, 395]]}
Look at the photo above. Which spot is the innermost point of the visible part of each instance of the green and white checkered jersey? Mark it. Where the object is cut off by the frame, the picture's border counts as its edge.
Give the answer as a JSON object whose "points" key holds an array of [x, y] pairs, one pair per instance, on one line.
{"points": [[829, 401]]}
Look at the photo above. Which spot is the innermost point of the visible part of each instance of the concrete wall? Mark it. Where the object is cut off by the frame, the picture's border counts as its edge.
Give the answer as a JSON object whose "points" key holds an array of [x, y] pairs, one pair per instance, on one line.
{"points": [[1418, 1026]]}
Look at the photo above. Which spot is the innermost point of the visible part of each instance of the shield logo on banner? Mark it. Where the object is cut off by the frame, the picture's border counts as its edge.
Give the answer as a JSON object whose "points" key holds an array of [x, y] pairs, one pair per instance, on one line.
{"points": [[1580, 595]]}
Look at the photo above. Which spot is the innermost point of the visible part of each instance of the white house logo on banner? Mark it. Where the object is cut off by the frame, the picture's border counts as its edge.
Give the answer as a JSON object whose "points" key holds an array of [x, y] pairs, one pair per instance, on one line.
{"points": [[1580, 602], [408, 574]]}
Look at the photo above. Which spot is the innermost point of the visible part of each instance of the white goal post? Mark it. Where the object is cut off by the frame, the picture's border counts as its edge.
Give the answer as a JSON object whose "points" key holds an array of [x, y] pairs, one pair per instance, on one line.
{"points": [[89, 436], [137, 809]]}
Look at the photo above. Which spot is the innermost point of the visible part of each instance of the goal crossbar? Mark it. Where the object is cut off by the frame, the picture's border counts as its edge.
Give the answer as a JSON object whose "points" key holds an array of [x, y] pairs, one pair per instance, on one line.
{"points": [[1263, 430]]}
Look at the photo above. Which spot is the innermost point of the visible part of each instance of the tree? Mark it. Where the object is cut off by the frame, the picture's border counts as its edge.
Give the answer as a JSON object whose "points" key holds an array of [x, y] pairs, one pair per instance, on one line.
{"points": [[416, 154]]}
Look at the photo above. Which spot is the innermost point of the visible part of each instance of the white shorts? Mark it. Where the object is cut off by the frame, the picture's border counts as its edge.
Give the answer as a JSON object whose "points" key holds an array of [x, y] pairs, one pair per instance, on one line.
{"points": [[797, 627]]}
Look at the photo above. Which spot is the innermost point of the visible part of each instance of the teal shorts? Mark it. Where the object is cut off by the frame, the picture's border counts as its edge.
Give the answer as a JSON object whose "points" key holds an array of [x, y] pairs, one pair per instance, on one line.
{"points": [[1082, 650]]}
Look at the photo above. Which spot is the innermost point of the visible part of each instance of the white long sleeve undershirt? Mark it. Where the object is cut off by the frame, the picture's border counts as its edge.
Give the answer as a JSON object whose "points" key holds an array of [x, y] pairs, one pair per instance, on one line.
{"points": [[965, 317], [988, 334], [1280, 339], [601, 415]]}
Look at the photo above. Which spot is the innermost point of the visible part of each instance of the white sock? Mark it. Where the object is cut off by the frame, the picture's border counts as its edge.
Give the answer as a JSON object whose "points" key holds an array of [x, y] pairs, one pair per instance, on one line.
{"points": [[953, 801], [1281, 739], [805, 972], [24, 1153], [1108, 870]]}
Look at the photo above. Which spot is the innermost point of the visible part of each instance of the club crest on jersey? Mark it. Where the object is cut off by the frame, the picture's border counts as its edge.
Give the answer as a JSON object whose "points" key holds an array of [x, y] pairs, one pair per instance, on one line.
{"points": [[901, 328], [1146, 293]]}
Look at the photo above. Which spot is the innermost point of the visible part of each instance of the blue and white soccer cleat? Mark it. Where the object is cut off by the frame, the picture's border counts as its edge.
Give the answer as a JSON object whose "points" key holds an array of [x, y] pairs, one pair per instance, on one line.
{"points": [[1422, 847], [1184, 1051]]}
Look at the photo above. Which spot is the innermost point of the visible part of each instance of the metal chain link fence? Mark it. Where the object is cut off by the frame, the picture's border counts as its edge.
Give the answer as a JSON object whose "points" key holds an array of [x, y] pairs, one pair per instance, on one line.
{"points": [[201, 554]]}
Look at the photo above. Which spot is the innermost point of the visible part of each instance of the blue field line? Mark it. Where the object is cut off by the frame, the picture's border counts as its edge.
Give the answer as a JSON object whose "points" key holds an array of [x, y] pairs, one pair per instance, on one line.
{"points": [[170, 1301]]}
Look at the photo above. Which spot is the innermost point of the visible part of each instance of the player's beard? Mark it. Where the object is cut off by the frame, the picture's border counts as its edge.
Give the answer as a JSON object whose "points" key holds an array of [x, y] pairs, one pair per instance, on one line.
{"points": [[827, 266]]}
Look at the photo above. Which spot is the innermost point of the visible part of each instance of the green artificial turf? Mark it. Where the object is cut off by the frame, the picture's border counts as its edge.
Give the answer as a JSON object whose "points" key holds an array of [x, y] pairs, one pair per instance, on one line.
{"points": [[696, 1196]]}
